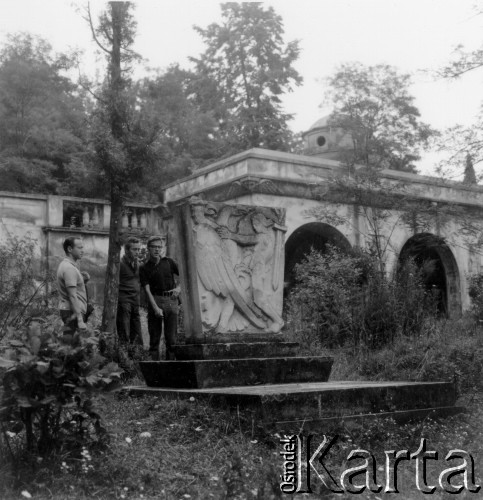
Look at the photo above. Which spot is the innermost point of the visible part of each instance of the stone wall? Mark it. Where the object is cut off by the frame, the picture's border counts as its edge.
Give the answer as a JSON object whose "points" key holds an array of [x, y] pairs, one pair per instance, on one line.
{"points": [[51, 219]]}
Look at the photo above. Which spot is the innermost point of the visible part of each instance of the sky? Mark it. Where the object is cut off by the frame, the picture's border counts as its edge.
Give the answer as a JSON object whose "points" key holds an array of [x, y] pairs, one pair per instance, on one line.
{"points": [[416, 36]]}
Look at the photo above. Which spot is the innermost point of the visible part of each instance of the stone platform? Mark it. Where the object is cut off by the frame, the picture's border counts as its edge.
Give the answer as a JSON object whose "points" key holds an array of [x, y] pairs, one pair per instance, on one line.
{"points": [[235, 350], [297, 405], [206, 373]]}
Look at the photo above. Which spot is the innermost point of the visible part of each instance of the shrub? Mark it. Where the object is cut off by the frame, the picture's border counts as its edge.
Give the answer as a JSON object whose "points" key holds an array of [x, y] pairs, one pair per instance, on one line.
{"points": [[343, 297], [320, 307], [475, 291], [22, 288], [439, 354], [48, 386]]}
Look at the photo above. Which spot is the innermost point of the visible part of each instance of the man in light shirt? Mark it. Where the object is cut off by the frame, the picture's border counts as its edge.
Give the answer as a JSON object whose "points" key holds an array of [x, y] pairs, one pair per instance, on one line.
{"points": [[71, 286]]}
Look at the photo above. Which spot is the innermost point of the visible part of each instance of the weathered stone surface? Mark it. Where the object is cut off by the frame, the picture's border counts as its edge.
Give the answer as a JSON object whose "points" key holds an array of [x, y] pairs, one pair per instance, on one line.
{"points": [[235, 350], [293, 406], [231, 263], [339, 398], [235, 372]]}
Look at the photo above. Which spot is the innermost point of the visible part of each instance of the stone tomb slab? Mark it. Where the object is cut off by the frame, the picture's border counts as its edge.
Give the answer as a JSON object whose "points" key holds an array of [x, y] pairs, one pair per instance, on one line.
{"points": [[235, 350], [299, 404], [235, 372]]}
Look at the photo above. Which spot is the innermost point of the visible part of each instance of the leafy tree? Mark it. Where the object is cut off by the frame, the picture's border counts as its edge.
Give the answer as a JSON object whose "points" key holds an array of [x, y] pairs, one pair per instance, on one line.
{"points": [[186, 135], [470, 174], [243, 73], [42, 116], [122, 142], [460, 143], [374, 106]]}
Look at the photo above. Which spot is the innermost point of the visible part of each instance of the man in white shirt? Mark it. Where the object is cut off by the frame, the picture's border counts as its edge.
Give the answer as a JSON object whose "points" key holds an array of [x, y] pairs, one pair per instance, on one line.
{"points": [[71, 286]]}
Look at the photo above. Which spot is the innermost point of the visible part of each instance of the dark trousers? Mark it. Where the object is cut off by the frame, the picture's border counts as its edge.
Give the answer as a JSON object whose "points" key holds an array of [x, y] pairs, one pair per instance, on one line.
{"points": [[128, 323], [169, 305], [70, 325]]}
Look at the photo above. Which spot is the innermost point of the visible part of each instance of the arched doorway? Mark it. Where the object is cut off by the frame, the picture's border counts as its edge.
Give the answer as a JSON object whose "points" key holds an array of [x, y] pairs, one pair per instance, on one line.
{"points": [[316, 235], [441, 275]]}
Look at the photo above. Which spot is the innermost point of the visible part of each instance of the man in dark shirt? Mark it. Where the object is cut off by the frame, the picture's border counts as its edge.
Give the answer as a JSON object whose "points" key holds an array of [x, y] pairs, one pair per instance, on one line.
{"points": [[157, 279], [128, 320]]}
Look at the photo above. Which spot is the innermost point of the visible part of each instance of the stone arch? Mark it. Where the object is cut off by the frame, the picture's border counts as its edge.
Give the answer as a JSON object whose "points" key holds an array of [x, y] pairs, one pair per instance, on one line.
{"points": [[315, 235], [444, 278]]}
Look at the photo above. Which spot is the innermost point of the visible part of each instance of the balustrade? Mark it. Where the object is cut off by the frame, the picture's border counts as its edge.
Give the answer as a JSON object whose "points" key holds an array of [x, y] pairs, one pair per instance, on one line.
{"points": [[78, 214], [135, 219], [91, 216]]}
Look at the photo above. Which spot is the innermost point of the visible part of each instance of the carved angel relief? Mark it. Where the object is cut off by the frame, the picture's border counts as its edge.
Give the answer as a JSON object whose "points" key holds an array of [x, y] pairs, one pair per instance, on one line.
{"points": [[239, 262]]}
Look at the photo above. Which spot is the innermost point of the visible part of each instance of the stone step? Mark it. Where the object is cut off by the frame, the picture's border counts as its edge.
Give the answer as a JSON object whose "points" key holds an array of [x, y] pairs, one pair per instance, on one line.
{"points": [[349, 420], [235, 372], [321, 400], [236, 350], [335, 399]]}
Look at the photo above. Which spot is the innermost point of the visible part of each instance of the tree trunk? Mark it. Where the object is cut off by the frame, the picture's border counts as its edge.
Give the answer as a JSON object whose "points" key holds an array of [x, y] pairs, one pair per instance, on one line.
{"points": [[111, 284]]}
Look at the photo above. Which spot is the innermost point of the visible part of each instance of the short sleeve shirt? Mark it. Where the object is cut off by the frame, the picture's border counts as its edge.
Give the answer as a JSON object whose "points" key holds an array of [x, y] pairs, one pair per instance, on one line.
{"points": [[68, 275]]}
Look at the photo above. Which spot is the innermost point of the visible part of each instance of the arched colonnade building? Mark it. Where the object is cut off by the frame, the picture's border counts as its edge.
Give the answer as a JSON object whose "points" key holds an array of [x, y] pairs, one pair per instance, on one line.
{"points": [[301, 185]]}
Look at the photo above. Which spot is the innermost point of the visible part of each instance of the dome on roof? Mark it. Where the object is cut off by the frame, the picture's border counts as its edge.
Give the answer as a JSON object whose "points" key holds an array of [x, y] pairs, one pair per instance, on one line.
{"points": [[326, 140], [321, 122]]}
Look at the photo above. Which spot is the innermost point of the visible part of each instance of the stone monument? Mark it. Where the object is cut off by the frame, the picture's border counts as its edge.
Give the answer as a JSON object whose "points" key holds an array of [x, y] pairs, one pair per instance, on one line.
{"points": [[231, 268], [231, 261], [231, 271]]}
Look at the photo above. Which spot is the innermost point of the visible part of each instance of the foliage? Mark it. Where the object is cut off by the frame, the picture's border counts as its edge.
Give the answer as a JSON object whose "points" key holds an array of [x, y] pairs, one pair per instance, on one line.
{"points": [[126, 356], [459, 142], [344, 298], [383, 205], [461, 145], [373, 105], [246, 67], [186, 135], [445, 349], [122, 143], [42, 116], [146, 456], [475, 291], [48, 387], [87, 139], [22, 288], [151, 439]]}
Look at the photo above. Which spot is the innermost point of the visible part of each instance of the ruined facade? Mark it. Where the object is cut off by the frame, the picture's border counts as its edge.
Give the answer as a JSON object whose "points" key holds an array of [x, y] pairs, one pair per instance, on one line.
{"points": [[299, 183]]}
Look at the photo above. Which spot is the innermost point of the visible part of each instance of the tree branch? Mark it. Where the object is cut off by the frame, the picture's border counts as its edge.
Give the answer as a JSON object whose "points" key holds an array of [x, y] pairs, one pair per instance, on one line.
{"points": [[93, 32]]}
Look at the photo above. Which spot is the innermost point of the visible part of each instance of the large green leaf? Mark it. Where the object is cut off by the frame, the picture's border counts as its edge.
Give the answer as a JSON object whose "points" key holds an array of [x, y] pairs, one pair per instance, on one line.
{"points": [[6, 363]]}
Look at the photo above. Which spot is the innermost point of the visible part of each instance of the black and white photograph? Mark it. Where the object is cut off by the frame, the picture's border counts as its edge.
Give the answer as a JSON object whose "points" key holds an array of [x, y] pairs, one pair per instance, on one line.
{"points": [[241, 249]]}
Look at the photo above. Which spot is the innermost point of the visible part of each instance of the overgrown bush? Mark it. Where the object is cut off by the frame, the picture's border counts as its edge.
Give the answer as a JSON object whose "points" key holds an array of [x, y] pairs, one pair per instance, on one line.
{"points": [[475, 291], [48, 385], [22, 286], [343, 297], [450, 350]]}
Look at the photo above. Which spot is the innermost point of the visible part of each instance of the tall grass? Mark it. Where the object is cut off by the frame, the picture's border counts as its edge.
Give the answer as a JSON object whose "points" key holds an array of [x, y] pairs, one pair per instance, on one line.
{"points": [[380, 327]]}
